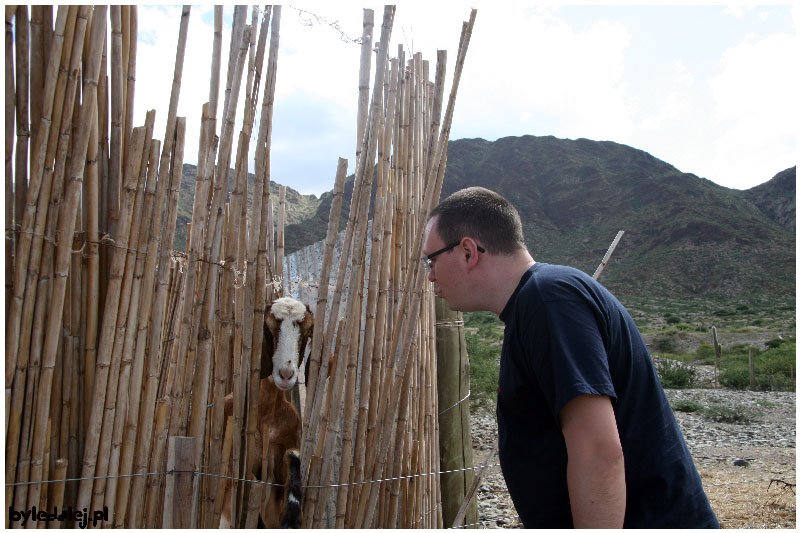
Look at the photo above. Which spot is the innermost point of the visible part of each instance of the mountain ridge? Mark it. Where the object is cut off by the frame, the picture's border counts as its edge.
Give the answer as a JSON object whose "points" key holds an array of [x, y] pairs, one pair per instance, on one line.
{"points": [[684, 234]]}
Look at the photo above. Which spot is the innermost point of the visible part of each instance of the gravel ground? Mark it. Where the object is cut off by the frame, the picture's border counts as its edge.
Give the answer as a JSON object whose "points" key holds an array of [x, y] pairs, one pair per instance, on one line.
{"points": [[737, 460]]}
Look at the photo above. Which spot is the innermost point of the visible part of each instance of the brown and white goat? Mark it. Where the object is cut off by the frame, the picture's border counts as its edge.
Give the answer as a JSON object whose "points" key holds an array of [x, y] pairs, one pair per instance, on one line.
{"points": [[288, 324]]}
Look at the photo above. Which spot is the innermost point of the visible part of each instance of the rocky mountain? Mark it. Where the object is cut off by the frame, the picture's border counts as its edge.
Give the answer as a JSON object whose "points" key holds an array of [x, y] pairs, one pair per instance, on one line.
{"points": [[299, 207], [777, 198], [685, 236]]}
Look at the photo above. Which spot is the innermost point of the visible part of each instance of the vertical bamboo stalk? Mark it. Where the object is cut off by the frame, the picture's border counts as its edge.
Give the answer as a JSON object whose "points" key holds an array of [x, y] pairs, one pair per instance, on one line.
{"points": [[10, 107], [155, 358], [317, 365], [130, 31], [20, 314], [407, 318], [110, 315], [116, 496], [279, 244], [92, 256], [378, 265], [30, 216], [57, 491], [154, 502], [97, 34], [215, 63], [164, 246], [117, 119], [363, 77], [38, 58], [21, 48]]}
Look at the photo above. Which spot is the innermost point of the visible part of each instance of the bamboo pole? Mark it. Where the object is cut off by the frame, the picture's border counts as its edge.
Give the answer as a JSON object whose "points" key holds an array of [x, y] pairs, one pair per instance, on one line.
{"points": [[171, 174], [167, 174], [20, 315], [130, 40], [606, 257], [122, 351], [28, 218], [22, 71], [57, 491], [117, 119], [128, 387], [38, 287], [433, 188], [10, 107], [110, 315], [255, 296], [68, 213], [378, 269], [363, 77], [154, 501], [92, 256], [318, 366], [357, 229], [215, 63]]}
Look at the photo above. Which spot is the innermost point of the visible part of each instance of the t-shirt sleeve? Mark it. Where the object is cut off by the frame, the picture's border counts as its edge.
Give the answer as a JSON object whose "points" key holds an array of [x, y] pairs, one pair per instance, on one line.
{"points": [[567, 354]]}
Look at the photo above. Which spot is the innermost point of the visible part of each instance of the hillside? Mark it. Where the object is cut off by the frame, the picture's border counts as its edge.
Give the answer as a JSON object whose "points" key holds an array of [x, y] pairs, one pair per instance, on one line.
{"points": [[685, 236], [299, 207]]}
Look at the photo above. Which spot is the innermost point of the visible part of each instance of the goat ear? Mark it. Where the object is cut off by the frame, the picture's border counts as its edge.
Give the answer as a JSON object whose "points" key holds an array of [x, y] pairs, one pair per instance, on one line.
{"points": [[267, 345], [306, 330]]}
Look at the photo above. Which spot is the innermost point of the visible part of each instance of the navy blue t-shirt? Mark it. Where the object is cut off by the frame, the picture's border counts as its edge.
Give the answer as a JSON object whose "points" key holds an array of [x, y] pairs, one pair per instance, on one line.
{"points": [[565, 336]]}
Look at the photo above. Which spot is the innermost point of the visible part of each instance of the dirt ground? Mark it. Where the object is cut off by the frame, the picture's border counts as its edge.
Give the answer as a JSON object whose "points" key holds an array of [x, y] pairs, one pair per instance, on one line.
{"points": [[748, 485], [750, 496]]}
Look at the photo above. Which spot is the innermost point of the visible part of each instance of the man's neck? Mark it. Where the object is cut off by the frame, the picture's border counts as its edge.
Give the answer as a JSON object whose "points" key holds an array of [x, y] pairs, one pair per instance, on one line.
{"points": [[506, 273]]}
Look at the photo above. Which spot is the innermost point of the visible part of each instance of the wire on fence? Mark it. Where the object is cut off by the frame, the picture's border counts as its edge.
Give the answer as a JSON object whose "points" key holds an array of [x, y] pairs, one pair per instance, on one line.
{"points": [[462, 400], [307, 18]]}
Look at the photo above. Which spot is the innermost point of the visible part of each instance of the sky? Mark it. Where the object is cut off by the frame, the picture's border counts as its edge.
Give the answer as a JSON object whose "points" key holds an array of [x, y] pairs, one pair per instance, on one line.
{"points": [[711, 90]]}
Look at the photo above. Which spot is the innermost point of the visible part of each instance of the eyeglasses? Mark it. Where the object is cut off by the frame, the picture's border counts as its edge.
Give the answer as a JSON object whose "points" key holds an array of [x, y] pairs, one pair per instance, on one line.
{"points": [[427, 260]]}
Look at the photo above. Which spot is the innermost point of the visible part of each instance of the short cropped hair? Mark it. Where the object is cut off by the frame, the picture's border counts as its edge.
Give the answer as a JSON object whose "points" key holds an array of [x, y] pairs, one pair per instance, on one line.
{"points": [[484, 215]]}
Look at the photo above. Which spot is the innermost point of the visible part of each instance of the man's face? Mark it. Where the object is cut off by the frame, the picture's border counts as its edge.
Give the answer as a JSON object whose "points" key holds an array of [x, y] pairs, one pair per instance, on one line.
{"points": [[444, 273]]}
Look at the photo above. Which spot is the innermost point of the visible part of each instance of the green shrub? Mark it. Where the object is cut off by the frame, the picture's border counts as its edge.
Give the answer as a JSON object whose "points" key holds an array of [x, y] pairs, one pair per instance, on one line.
{"points": [[773, 368], [484, 369], [675, 375], [705, 354], [719, 413], [687, 406], [664, 344], [774, 343], [672, 319]]}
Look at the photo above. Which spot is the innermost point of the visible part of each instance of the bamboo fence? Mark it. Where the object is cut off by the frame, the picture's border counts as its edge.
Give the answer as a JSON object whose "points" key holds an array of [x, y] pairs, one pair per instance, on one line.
{"points": [[115, 343]]}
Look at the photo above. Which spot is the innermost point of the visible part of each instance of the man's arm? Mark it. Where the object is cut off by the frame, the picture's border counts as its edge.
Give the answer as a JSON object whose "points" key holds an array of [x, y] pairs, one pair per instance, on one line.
{"points": [[595, 467]]}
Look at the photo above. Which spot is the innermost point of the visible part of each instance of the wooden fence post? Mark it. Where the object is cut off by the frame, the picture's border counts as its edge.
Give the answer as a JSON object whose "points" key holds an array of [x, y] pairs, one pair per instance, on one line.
{"points": [[455, 440], [717, 356], [179, 495]]}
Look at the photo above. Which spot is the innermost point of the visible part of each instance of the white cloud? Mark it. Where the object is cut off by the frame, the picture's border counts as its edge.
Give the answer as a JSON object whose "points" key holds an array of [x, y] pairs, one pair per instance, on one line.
{"points": [[674, 106], [737, 11], [755, 100], [531, 69]]}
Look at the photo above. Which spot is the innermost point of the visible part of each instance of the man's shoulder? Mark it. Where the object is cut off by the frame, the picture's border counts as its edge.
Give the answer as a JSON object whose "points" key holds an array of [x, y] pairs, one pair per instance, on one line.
{"points": [[551, 281]]}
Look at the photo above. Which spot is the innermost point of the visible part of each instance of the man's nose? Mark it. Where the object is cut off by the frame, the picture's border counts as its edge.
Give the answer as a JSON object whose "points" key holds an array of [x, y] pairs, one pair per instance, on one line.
{"points": [[431, 276]]}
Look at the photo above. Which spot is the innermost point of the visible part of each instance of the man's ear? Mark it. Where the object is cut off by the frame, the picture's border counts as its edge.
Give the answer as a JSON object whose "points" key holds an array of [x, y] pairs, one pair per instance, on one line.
{"points": [[470, 248]]}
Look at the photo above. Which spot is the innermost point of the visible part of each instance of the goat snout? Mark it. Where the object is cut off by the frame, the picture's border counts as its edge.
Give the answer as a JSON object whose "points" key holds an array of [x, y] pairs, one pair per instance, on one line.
{"points": [[287, 373]]}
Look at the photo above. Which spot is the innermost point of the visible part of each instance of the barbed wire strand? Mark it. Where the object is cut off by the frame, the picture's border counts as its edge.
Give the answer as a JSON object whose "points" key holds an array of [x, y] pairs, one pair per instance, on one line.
{"points": [[181, 259], [322, 20], [462, 400], [357, 483]]}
